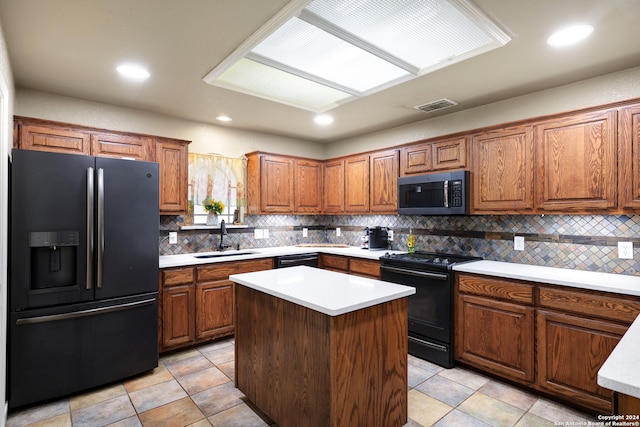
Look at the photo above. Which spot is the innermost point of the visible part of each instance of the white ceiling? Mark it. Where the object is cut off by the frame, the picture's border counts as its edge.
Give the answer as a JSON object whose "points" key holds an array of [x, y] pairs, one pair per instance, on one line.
{"points": [[71, 48]]}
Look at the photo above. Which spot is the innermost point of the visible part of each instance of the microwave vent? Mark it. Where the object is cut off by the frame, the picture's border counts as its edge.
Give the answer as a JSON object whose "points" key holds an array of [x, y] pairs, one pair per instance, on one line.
{"points": [[436, 105]]}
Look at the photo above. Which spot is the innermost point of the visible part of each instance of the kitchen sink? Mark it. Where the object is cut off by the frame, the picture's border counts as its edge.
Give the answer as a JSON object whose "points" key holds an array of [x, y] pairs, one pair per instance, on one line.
{"points": [[223, 254]]}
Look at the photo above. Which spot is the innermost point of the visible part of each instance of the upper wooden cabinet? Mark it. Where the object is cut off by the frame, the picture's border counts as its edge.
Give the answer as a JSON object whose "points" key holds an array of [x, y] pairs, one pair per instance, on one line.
{"points": [[502, 165], [356, 194], [308, 186], [283, 184], [122, 146], [577, 163], [333, 194], [383, 184], [171, 154], [54, 137], [629, 158], [432, 156]]}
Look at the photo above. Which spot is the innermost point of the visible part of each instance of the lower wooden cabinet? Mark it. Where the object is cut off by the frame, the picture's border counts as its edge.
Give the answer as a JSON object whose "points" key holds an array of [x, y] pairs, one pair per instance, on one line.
{"points": [[197, 303], [551, 339], [497, 336], [351, 265], [571, 351]]}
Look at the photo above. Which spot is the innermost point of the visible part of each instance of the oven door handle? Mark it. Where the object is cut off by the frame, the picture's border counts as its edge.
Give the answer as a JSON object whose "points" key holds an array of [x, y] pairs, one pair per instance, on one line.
{"points": [[428, 344], [437, 276]]}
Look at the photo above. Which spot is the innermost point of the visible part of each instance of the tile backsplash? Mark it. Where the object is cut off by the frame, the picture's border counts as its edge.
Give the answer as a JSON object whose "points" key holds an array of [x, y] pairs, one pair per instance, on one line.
{"points": [[585, 242]]}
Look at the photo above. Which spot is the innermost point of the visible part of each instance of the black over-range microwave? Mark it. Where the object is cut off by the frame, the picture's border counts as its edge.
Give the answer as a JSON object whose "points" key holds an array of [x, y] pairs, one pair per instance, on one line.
{"points": [[434, 194]]}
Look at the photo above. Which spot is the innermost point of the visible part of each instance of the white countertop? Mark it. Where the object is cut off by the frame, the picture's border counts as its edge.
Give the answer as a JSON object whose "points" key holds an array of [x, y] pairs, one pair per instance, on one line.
{"points": [[620, 372], [328, 292], [189, 259], [607, 282]]}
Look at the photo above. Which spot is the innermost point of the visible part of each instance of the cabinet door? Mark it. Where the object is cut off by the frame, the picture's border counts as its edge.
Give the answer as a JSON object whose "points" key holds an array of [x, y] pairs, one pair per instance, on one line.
{"points": [[384, 181], [416, 158], [276, 184], [502, 171], [356, 197], [450, 154], [214, 309], [497, 336], [121, 146], [629, 158], [577, 163], [172, 159], [178, 315], [333, 194], [56, 139], [365, 267], [308, 188], [571, 350]]}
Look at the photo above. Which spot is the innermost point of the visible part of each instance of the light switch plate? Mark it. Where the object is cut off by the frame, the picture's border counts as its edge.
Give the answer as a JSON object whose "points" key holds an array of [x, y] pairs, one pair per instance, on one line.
{"points": [[173, 237], [390, 233], [265, 233], [625, 250], [518, 243], [338, 231], [305, 232], [258, 233]]}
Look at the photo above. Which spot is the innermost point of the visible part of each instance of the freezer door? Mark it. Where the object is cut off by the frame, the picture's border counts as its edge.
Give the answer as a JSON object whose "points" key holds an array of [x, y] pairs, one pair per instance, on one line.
{"points": [[55, 352], [48, 233], [127, 227]]}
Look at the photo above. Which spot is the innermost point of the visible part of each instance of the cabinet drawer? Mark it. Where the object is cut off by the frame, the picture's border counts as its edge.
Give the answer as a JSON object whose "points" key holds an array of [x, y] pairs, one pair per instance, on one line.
{"points": [[365, 267], [222, 271], [591, 303], [332, 262], [178, 276], [509, 290]]}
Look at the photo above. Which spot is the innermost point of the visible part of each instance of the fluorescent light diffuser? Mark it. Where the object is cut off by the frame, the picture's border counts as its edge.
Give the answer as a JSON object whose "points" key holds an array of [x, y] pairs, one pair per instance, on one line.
{"points": [[333, 51]]}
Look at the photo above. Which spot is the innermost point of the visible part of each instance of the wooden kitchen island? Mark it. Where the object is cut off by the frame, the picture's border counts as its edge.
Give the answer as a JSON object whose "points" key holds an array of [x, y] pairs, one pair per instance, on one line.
{"points": [[319, 348]]}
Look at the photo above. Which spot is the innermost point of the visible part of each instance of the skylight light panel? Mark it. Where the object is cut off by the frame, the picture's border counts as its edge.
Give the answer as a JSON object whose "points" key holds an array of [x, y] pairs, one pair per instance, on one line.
{"points": [[308, 51], [267, 82], [422, 33]]}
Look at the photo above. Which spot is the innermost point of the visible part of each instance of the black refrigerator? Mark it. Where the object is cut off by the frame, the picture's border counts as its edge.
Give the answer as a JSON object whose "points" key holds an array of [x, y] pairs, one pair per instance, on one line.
{"points": [[83, 273]]}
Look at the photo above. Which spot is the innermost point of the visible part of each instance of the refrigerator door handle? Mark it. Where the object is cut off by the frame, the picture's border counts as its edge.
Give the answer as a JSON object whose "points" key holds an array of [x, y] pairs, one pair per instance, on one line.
{"points": [[90, 241], [84, 313], [100, 266]]}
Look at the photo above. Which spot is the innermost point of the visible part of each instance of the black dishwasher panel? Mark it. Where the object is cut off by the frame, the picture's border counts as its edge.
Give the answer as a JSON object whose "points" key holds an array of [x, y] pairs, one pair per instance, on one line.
{"points": [[310, 259]]}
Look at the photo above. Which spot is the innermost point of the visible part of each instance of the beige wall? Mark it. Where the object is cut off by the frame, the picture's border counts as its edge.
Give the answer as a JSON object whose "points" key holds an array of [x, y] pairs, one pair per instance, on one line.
{"points": [[6, 134], [205, 138], [600, 90]]}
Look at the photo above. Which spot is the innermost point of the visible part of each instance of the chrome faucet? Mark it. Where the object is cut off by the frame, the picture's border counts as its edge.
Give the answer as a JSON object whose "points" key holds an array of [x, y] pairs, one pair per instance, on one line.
{"points": [[223, 232]]}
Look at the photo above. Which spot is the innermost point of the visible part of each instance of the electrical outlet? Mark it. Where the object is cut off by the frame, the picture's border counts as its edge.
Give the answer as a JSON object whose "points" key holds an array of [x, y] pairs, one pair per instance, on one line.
{"points": [[518, 243], [258, 233], [265, 233], [338, 231], [305, 232], [173, 237], [625, 250], [390, 233]]}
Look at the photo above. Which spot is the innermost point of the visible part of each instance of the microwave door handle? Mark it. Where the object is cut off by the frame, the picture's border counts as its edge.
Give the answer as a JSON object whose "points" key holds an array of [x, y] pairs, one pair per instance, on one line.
{"points": [[446, 194]]}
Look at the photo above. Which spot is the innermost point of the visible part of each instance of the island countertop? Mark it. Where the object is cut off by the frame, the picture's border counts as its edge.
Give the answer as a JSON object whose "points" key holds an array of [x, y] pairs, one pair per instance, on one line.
{"points": [[325, 291]]}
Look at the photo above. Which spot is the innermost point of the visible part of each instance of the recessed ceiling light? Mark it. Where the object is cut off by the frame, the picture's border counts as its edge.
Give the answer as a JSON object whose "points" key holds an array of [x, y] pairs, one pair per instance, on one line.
{"points": [[570, 35], [323, 119], [224, 118], [134, 72]]}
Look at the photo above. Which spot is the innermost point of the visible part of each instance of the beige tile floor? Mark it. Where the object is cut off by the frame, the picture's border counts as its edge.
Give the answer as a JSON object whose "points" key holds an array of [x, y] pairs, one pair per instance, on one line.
{"points": [[195, 388]]}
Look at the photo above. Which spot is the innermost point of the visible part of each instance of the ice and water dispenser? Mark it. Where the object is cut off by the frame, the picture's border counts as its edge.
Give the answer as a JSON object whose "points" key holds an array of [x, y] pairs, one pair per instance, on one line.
{"points": [[53, 258]]}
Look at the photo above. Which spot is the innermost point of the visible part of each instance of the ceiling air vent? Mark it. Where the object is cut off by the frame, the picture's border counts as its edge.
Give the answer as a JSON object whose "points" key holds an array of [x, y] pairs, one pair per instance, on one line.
{"points": [[436, 105]]}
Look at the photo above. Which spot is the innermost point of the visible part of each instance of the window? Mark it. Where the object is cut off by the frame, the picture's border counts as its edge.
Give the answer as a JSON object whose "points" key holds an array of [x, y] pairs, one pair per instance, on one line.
{"points": [[218, 178]]}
